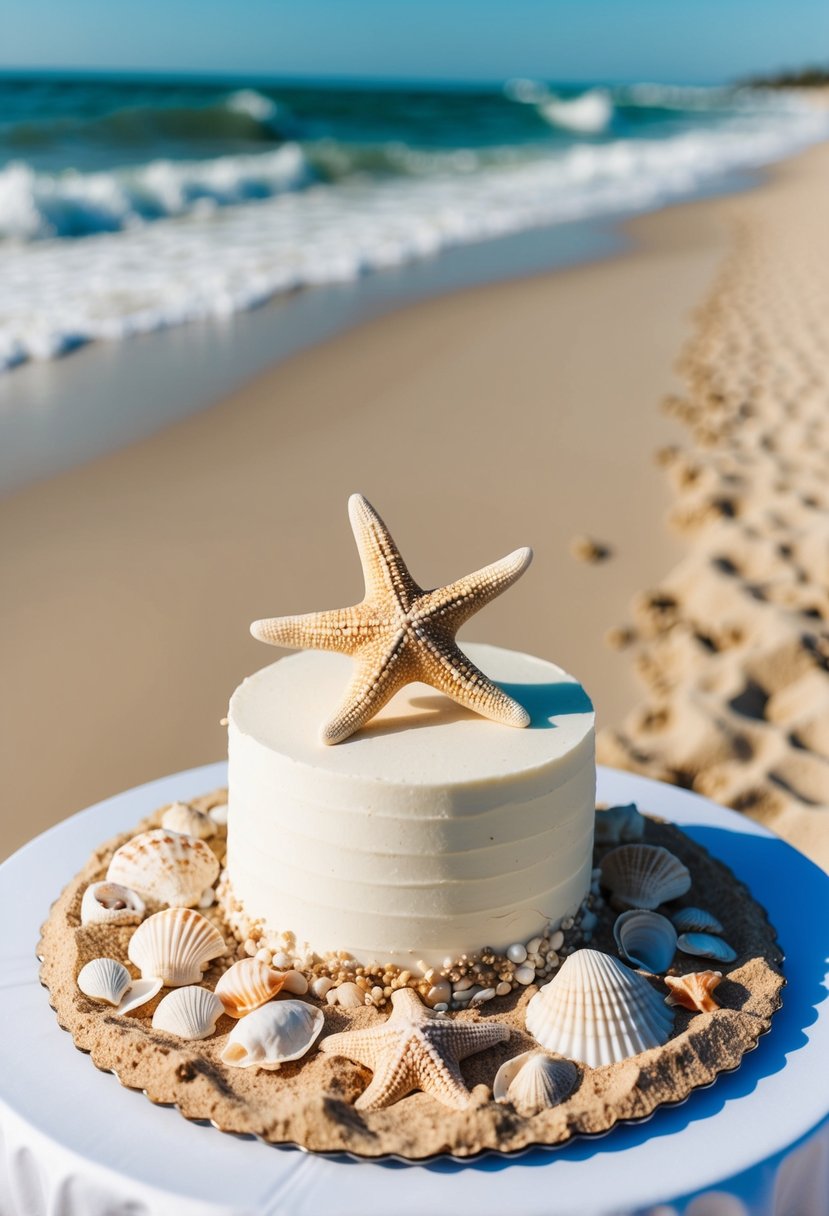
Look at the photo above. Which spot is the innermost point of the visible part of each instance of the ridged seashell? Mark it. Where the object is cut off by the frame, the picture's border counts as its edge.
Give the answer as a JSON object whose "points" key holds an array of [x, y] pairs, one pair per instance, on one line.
{"points": [[166, 867], [138, 994], [188, 1013], [646, 939], [272, 1035], [598, 1011], [696, 920], [694, 991], [247, 985], [104, 979], [347, 995], [616, 824], [704, 945], [175, 945], [534, 1081], [644, 875], [187, 821], [109, 903]]}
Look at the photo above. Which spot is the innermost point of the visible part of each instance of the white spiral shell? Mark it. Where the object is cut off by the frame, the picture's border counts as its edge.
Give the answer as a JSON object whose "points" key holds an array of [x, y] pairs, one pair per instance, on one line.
{"points": [[598, 1011], [175, 945], [534, 1081], [104, 979], [166, 867], [644, 875], [272, 1035], [188, 1013]]}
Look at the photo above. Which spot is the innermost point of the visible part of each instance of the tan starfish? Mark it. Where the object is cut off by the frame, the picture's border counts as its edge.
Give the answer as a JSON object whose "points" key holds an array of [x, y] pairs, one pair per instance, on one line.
{"points": [[415, 1049], [693, 991], [400, 633]]}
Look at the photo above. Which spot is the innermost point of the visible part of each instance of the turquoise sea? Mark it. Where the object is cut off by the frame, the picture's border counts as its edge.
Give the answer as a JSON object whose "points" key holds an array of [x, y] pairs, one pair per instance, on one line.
{"points": [[132, 205]]}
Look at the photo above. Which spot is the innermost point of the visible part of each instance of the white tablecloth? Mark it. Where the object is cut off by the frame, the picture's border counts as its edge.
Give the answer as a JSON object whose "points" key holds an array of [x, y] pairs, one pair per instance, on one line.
{"points": [[74, 1143]]}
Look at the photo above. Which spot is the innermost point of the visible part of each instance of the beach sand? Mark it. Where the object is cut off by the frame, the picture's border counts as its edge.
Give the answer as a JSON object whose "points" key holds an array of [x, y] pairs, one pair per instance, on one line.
{"points": [[733, 643], [523, 413]]}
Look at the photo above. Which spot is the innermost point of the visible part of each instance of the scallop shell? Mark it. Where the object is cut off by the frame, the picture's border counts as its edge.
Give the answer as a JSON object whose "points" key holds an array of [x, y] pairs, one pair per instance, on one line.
{"points": [[696, 920], [616, 824], [166, 867], [187, 821], [645, 939], [188, 1013], [108, 903], [704, 945], [534, 1081], [138, 994], [176, 946], [272, 1035], [598, 1011], [247, 985], [644, 875], [104, 979]]}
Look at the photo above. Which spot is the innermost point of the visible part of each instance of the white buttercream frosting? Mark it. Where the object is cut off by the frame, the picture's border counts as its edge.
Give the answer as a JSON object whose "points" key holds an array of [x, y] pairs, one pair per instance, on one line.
{"points": [[430, 833]]}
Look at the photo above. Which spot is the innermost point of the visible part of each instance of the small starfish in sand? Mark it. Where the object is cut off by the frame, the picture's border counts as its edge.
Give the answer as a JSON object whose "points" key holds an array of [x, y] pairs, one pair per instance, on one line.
{"points": [[415, 1049], [694, 990], [400, 633]]}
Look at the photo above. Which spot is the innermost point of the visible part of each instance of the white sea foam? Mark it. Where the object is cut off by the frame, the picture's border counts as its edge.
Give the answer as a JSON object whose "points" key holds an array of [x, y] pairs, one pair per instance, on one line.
{"points": [[206, 260], [589, 113], [255, 105], [40, 205]]}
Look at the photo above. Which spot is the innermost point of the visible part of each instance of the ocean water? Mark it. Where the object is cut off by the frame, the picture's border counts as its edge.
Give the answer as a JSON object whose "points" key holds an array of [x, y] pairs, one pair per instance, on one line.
{"points": [[128, 206]]}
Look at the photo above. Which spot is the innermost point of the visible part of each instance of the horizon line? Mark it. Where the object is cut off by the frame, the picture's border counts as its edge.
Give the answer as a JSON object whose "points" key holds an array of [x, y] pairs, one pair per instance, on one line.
{"points": [[334, 80]]}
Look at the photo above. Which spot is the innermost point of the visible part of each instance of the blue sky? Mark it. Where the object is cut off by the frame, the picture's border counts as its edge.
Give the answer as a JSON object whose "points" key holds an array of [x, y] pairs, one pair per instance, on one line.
{"points": [[667, 40]]}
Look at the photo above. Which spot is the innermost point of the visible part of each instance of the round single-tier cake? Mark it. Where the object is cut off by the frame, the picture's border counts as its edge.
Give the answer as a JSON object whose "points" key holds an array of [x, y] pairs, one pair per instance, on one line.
{"points": [[426, 836]]}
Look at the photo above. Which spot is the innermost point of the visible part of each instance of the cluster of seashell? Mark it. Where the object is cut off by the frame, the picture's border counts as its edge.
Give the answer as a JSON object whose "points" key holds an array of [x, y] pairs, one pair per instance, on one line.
{"points": [[172, 949], [461, 983], [699, 935], [169, 866], [105, 979]]}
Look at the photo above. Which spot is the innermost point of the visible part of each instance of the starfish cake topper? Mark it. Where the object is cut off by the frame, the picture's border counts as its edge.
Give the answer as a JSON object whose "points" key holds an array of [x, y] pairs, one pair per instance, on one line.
{"points": [[399, 633]]}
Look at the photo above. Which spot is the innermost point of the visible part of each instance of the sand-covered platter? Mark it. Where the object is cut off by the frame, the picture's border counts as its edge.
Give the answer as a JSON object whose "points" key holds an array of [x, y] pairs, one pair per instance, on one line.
{"points": [[266, 1056]]}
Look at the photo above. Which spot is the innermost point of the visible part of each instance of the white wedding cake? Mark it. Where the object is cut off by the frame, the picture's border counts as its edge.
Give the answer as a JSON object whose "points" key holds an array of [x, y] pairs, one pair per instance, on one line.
{"points": [[429, 835]]}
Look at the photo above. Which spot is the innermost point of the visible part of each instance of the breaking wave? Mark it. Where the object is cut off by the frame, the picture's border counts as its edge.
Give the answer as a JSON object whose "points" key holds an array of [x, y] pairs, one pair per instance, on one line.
{"points": [[102, 255]]}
